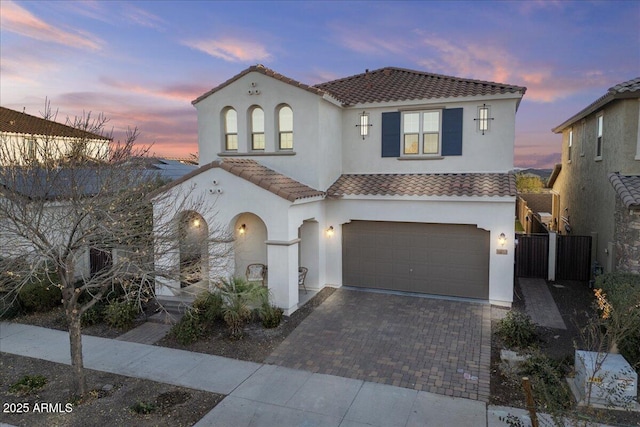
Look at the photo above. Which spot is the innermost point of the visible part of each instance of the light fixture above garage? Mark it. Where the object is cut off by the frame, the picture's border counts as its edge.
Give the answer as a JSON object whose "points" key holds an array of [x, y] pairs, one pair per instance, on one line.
{"points": [[502, 239], [330, 231], [242, 229]]}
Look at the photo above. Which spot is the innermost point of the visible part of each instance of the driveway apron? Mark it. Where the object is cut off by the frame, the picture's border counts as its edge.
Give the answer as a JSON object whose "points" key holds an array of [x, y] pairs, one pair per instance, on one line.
{"points": [[435, 345]]}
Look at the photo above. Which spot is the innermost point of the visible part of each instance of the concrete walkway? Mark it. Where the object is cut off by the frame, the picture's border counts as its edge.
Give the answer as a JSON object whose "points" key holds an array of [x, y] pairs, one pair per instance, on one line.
{"points": [[539, 303], [259, 395]]}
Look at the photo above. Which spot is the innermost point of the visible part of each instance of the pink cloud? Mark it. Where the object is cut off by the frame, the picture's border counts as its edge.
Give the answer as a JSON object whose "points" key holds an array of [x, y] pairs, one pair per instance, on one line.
{"points": [[176, 92], [143, 18], [16, 19], [232, 50]]}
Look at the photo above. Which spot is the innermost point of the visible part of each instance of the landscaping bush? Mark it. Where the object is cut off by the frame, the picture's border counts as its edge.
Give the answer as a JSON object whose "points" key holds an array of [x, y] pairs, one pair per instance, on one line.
{"points": [[270, 315], [209, 307], [517, 330], [38, 296], [618, 296], [94, 315], [547, 379], [9, 306], [28, 384], [189, 329], [121, 314]]}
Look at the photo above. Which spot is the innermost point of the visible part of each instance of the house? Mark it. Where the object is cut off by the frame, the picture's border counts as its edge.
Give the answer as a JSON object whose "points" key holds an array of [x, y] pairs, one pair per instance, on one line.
{"points": [[598, 182], [390, 179], [36, 184], [26, 138]]}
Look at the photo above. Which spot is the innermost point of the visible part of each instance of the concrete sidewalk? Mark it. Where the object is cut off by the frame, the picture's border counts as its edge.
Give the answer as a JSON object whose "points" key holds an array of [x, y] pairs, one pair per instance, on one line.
{"points": [[259, 395]]}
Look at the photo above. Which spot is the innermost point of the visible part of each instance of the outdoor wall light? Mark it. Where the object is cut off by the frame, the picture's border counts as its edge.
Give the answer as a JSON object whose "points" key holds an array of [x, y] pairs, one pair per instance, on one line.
{"points": [[242, 229], [330, 231], [364, 124], [502, 239], [196, 222]]}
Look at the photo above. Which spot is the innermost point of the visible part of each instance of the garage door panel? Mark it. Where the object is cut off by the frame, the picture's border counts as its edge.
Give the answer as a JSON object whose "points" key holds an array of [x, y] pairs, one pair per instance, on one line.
{"points": [[444, 259]]}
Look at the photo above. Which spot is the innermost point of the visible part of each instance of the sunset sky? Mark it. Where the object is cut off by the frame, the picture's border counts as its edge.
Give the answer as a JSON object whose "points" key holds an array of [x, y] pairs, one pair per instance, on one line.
{"points": [[141, 63]]}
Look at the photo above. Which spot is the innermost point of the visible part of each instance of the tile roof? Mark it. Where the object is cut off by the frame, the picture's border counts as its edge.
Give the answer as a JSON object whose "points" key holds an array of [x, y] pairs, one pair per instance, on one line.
{"points": [[454, 184], [628, 188], [270, 180], [263, 70], [12, 121], [624, 90], [399, 84], [386, 84]]}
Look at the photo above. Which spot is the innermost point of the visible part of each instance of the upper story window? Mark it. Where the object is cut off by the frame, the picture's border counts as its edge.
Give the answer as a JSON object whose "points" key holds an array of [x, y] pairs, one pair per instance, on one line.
{"points": [[257, 129], [599, 139], [285, 128], [230, 130], [570, 145], [421, 132]]}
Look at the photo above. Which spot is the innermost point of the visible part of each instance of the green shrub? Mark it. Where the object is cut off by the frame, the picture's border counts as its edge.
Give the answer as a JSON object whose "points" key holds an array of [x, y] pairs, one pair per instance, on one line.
{"points": [[189, 329], [622, 292], [36, 296], [270, 315], [143, 408], [94, 315], [209, 307], [547, 379], [517, 330], [28, 384], [121, 314]]}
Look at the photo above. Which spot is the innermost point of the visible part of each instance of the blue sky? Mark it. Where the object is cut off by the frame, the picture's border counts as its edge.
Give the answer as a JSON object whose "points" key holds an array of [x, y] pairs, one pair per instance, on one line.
{"points": [[142, 63]]}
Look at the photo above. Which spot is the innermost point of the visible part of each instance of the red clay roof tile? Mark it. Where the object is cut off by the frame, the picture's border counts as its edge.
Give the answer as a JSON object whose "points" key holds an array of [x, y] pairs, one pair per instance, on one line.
{"points": [[12, 121], [461, 184]]}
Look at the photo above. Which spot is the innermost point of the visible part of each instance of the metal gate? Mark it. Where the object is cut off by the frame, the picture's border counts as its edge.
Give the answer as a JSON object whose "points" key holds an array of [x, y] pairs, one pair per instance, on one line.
{"points": [[573, 258], [99, 259], [532, 255]]}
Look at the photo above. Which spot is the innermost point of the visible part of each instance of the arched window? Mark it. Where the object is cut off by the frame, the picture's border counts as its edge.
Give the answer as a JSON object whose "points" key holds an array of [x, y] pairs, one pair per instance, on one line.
{"points": [[257, 129], [285, 128], [230, 130]]}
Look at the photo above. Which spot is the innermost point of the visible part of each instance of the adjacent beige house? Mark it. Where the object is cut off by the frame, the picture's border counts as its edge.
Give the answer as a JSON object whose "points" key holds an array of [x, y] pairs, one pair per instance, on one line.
{"points": [[598, 182]]}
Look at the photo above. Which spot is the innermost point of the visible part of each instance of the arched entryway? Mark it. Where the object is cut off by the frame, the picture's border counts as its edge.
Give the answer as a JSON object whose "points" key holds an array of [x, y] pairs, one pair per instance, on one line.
{"points": [[194, 253], [250, 235], [309, 251]]}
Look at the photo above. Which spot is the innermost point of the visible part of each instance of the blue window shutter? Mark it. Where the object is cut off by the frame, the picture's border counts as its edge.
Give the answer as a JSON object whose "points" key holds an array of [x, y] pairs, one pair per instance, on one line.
{"points": [[452, 132], [391, 134]]}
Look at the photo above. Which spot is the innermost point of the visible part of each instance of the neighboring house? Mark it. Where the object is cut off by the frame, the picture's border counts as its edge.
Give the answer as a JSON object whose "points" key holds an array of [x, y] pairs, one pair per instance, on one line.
{"points": [[598, 181], [391, 179], [534, 212], [23, 139]]}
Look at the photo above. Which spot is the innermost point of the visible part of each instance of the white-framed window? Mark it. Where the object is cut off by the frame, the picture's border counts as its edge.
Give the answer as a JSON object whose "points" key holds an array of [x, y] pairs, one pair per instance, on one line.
{"points": [[570, 144], [257, 128], [599, 138], [230, 129], [421, 132], [285, 128]]}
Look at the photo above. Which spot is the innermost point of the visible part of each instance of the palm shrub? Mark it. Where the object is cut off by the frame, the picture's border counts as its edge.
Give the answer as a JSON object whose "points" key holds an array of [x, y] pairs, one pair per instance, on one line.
{"points": [[209, 307], [239, 297]]}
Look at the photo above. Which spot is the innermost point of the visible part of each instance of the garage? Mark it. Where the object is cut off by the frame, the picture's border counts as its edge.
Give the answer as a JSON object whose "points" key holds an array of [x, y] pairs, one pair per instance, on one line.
{"points": [[439, 259]]}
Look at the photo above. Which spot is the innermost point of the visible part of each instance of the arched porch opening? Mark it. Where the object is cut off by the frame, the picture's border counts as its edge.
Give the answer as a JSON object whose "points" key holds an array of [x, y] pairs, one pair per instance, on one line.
{"points": [[194, 250], [250, 235]]}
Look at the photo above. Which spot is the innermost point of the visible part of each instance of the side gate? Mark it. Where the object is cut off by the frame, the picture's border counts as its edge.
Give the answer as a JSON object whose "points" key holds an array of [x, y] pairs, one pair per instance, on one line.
{"points": [[573, 258], [532, 255]]}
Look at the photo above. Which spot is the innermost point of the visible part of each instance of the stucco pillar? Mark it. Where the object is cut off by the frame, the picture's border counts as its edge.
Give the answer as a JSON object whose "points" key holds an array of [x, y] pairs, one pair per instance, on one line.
{"points": [[283, 273]]}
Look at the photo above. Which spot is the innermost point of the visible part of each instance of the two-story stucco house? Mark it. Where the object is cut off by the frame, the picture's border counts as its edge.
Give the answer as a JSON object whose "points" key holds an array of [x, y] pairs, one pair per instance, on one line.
{"points": [[598, 182], [390, 179]]}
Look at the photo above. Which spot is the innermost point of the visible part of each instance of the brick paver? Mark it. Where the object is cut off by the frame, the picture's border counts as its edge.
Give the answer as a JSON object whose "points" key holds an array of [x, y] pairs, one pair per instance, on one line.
{"points": [[434, 345]]}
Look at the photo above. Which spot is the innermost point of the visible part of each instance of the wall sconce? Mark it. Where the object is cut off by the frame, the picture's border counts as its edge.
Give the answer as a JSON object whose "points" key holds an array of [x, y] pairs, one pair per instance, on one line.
{"points": [[330, 231], [502, 239], [364, 124], [242, 229], [196, 222]]}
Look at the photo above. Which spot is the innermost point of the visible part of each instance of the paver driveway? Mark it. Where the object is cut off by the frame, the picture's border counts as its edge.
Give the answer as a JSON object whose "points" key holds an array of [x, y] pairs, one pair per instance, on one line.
{"points": [[435, 345]]}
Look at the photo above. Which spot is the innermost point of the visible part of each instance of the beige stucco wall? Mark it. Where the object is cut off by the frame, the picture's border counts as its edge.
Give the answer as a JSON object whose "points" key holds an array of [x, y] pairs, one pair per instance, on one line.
{"points": [[586, 195]]}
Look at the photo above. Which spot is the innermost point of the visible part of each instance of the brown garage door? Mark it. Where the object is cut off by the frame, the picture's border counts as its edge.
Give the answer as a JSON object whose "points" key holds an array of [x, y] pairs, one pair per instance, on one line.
{"points": [[441, 259]]}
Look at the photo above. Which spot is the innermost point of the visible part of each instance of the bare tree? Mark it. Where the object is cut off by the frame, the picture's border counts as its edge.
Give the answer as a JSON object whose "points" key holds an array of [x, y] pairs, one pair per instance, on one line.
{"points": [[59, 204]]}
